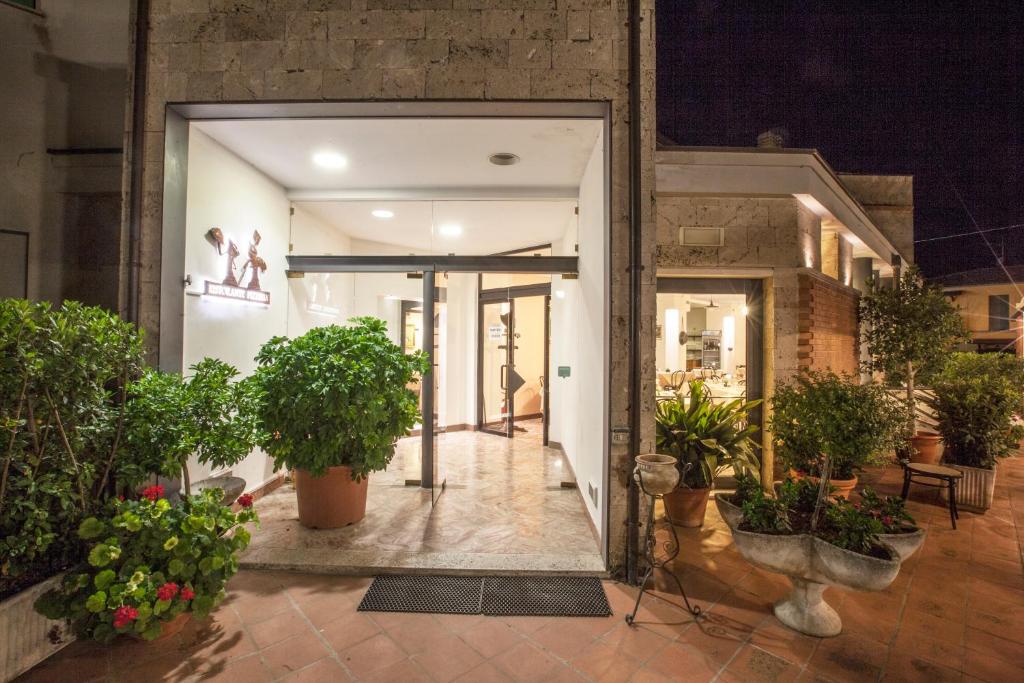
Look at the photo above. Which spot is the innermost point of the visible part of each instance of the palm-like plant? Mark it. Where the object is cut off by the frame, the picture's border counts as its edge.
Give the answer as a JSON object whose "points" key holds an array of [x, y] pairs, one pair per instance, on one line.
{"points": [[707, 437]]}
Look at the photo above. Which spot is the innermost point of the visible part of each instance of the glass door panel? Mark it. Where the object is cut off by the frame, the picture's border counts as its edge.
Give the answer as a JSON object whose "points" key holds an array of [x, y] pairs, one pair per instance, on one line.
{"points": [[496, 360]]}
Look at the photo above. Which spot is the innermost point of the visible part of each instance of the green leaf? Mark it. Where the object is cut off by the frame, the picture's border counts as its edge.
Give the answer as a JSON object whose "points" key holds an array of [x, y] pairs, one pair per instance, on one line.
{"points": [[91, 528], [103, 579], [175, 567], [97, 602]]}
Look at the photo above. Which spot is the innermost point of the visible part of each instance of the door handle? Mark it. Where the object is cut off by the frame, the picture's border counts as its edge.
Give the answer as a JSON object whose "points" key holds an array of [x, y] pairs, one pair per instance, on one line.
{"points": [[504, 376]]}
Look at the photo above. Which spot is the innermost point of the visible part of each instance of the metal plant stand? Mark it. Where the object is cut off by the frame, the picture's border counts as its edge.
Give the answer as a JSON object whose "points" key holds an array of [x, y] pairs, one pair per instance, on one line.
{"points": [[650, 545]]}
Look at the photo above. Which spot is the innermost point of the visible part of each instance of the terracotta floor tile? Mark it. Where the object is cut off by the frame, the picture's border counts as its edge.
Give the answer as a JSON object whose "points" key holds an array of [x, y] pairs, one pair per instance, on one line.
{"points": [[405, 671], [848, 657], [739, 609], [718, 643], [420, 635], [314, 587], [293, 654], [684, 662], [564, 639], [754, 664], [873, 623], [638, 643], [921, 646], [253, 608], [1007, 623], [88, 661], [987, 644], [221, 638], [928, 626], [326, 670], [279, 627], [784, 642], [604, 663], [169, 667], [491, 637], [249, 669], [646, 675], [344, 632], [485, 673], [914, 669], [372, 654], [527, 663], [448, 658], [992, 669], [460, 623]]}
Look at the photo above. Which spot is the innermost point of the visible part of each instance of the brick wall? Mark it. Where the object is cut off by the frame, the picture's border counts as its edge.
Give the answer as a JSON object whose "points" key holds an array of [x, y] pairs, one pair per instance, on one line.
{"points": [[828, 326]]}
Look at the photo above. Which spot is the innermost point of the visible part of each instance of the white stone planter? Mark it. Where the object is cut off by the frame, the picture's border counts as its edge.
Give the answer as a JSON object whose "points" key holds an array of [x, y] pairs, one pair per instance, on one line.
{"points": [[732, 514], [905, 545], [28, 637], [812, 564], [976, 490]]}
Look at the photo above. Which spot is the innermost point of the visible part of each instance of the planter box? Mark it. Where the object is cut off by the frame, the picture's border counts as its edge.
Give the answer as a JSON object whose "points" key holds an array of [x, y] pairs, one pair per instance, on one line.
{"points": [[28, 637], [977, 488]]}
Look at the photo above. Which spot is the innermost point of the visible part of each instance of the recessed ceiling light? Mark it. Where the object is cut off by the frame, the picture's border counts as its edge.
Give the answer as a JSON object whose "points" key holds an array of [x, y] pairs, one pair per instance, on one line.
{"points": [[450, 229], [383, 213], [332, 161], [504, 159]]}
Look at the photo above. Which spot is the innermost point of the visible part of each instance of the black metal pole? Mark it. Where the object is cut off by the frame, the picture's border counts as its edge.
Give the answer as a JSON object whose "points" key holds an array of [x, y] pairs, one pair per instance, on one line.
{"points": [[635, 245], [138, 156]]}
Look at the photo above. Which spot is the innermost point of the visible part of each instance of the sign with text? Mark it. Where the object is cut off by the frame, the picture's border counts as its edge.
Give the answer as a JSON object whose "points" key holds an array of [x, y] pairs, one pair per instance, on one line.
{"points": [[231, 286]]}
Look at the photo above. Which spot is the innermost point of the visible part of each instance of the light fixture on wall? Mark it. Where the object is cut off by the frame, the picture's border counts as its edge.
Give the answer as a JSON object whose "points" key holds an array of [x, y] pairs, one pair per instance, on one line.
{"points": [[383, 213], [746, 311], [330, 160], [450, 230], [504, 159]]}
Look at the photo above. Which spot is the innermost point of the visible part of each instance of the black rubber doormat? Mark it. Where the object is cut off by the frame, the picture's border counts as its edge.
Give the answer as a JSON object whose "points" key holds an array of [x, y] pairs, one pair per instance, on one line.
{"points": [[555, 596]]}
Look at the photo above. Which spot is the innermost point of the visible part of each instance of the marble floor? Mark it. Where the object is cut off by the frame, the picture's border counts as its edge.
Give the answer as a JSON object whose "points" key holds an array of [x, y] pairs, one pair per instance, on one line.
{"points": [[504, 508]]}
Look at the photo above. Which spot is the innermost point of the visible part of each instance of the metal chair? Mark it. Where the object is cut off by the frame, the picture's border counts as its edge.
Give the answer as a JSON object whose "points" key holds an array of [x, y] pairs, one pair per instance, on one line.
{"points": [[947, 478]]}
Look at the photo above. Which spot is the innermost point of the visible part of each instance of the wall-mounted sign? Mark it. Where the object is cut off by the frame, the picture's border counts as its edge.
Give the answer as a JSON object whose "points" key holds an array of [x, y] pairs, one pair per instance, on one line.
{"points": [[495, 332], [231, 286]]}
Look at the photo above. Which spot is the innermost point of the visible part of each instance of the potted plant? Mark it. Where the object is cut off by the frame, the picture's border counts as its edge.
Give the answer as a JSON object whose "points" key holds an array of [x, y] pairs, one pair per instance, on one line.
{"points": [[332, 403], [801, 531], [151, 565], [975, 398], [910, 327], [861, 417], [706, 438], [206, 415]]}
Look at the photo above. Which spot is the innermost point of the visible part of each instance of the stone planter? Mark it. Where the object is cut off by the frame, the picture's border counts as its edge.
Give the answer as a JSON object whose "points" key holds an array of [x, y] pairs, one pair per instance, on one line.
{"points": [[27, 636], [812, 564], [732, 514], [906, 544], [976, 490]]}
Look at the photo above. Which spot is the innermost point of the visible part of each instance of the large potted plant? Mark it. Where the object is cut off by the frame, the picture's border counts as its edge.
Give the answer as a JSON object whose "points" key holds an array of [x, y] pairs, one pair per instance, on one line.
{"points": [[804, 533], [706, 438], [151, 565], [332, 404], [975, 399], [860, 414], [910, 327]]}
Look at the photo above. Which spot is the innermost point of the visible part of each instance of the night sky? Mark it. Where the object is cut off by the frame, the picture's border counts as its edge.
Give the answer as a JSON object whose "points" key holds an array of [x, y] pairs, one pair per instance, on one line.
{"points": [[934, 89]]}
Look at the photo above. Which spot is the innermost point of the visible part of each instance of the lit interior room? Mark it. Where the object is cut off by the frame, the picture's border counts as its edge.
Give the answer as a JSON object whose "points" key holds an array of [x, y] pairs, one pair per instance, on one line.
{"points": [[519, 358]]}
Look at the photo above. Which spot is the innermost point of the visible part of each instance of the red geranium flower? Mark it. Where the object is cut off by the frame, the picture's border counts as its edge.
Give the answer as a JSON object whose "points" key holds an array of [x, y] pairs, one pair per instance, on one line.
{"points": [[245, 500], [153, 492], [887, 520], [125, 615], [167, 591], [186, 593]]}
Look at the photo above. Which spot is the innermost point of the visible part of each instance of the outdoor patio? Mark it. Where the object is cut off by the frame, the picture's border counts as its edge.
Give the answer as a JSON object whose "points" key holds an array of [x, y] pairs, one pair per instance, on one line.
{"points": [[956, 612]]}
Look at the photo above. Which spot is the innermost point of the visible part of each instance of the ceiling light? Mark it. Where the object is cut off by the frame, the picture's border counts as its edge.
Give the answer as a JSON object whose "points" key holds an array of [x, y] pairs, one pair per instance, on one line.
{"points": [[332, 161], [450, 229], [504, 159], [383, 213]]}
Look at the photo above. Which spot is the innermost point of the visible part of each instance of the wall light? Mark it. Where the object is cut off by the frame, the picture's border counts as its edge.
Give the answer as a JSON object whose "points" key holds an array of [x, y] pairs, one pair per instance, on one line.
{"points": [[450, 230], [383, 213], [559, 294], [332, 161], [746, 310]]}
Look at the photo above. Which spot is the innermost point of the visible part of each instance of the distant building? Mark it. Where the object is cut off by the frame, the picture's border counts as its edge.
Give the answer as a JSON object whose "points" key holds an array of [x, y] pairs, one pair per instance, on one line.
{"points": [[990, 302]]}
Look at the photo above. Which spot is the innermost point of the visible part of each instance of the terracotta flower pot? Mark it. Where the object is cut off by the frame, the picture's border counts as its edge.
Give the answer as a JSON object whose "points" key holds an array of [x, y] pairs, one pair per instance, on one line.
{"points": [[686, 507], [173, 627], [843, 487], [926, 448], [331, 501]]}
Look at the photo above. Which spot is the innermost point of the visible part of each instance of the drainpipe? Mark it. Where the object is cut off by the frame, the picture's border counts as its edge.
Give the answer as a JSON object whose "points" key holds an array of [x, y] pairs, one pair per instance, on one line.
{"points": [[635, 217], [138, 157]]}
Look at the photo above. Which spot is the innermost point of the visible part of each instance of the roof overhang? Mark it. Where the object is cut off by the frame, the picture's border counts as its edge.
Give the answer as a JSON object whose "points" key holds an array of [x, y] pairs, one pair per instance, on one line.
{"points": [[800, 173]]}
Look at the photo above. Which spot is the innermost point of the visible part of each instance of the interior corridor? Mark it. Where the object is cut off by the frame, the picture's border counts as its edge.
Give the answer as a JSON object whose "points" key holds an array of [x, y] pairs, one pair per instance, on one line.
{"points": [[504, 509]]}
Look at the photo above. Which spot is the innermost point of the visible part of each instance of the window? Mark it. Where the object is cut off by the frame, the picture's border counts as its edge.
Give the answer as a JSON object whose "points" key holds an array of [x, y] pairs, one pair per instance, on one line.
{"points": [[999, 312], [31, 4]]}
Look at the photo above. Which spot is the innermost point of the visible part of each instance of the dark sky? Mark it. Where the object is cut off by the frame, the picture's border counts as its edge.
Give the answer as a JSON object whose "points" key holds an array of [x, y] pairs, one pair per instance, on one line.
{"points": [[934, 89]]}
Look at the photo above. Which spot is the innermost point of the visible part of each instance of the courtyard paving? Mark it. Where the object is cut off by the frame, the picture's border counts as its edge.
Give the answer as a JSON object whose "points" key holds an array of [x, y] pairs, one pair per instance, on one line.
{"points": [[955, 613]]}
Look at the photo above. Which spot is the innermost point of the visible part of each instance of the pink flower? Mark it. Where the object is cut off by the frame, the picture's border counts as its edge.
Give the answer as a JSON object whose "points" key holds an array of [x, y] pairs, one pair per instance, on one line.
{"points": [[124, 615], [245, 500], [167, 591], [153, 492], [887, 520], [186, 593]]}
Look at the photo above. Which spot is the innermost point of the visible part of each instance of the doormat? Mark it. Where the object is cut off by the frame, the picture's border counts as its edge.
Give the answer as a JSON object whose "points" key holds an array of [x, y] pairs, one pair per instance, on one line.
{"points": [[549, 596]]}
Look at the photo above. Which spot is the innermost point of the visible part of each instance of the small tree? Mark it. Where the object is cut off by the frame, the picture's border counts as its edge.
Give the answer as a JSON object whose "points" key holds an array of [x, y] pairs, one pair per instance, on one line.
{"points": [[911, 327]]}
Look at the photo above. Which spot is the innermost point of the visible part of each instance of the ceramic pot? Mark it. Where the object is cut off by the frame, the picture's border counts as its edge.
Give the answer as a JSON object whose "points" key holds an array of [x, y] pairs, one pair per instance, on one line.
{"points": [[975, 490], [843, 487], [658, 473], [926, 448], [331, 501], [686, 507]]}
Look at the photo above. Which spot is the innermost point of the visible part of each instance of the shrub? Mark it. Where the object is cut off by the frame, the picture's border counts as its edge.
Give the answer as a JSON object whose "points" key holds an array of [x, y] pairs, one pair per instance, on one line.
{"points": [[891, 511], [975, 398], [746, 487], [337, 396], [707, 437], [766, 515], [148, 562], [848, 527], [64, 376]]}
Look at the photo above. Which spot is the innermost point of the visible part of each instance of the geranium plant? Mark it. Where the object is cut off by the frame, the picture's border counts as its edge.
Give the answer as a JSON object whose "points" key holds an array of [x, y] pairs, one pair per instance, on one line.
{"points": [[148, 562], [337, 396]]}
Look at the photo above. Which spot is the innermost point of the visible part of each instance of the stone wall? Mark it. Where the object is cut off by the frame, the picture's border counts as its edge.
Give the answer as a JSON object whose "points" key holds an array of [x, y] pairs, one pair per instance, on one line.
{"points": [[828, 325], [322, 50]]}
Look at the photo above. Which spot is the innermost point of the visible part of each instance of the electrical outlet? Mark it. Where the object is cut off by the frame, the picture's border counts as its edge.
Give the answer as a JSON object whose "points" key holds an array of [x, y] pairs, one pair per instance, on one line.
{"points": [[620, 435]]}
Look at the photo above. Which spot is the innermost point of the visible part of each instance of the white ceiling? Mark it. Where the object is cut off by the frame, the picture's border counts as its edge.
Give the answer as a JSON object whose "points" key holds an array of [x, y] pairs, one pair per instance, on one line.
{"points": [[488, 227], [442, 156]]}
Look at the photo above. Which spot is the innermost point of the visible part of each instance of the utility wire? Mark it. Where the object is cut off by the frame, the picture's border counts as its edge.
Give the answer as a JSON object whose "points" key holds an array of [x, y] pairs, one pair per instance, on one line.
{"points": [[967, 234]]}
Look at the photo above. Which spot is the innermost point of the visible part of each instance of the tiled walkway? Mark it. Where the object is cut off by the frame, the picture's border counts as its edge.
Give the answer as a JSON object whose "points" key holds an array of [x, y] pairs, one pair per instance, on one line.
{"points": [[956, 612]]}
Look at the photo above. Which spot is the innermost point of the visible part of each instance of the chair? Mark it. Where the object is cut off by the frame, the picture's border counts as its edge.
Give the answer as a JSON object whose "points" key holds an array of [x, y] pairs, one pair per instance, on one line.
{"points": [[947, 478]]}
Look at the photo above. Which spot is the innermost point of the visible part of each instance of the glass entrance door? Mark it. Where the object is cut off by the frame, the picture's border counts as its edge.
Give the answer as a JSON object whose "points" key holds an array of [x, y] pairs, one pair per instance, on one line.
{"points": [[497, 362]]}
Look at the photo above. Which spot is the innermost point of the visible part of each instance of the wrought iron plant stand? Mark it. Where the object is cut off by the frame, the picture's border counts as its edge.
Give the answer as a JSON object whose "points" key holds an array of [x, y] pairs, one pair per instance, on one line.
{"points": [[657, 475]]}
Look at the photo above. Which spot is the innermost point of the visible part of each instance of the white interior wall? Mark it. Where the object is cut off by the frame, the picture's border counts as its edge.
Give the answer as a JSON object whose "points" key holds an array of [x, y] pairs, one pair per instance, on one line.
{"points": [[458, 400], [226, 192], [318, 299]]}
